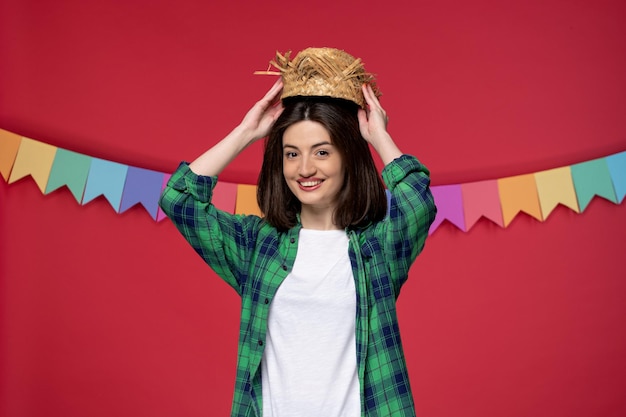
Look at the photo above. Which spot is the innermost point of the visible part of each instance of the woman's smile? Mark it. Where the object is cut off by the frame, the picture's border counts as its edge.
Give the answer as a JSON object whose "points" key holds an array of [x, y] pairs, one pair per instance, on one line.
{"points": [[310, 184]]}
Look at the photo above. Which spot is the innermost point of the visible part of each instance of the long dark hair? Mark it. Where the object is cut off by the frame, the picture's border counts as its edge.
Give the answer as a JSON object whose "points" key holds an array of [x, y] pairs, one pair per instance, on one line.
{"points": [[362, 198]]}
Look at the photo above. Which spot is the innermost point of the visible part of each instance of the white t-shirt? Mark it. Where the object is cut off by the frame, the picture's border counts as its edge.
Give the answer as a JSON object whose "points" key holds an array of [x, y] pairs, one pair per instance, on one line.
{"points": [[309, 363]]}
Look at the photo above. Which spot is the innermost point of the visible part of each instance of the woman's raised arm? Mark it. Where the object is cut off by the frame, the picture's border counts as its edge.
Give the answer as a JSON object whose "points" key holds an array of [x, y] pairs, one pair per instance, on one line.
{"points": [[373, 125]]}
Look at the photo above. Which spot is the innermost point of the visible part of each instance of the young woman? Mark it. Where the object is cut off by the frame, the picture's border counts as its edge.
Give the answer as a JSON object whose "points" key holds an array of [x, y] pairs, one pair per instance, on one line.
{"points": [[320, 273]]}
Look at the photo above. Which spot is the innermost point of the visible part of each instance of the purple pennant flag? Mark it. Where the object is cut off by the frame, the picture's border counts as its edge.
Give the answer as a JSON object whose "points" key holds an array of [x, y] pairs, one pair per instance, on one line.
{"points": [[142, 186], [449, 201]]}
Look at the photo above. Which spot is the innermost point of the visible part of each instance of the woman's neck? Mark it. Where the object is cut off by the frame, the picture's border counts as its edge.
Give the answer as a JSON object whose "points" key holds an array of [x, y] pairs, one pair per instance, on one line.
{"points": [[317, 219]]}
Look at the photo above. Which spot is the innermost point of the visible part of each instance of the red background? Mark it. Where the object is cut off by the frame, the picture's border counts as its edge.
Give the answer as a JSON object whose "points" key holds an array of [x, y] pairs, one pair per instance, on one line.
{"points": [[113, 314]]}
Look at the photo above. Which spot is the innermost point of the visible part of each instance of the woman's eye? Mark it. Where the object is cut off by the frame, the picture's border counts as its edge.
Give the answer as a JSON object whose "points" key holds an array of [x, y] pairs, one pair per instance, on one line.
{"points": [[290, 155], [322, 153]]}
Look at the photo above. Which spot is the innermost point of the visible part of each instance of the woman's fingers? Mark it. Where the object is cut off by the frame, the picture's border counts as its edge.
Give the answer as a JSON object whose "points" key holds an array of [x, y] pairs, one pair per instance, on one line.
{"points": [[272, 94], [374, 106]]}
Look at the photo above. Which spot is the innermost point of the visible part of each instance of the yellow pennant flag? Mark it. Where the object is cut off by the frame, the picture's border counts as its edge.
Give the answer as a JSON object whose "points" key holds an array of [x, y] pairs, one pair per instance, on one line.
{"points": [[555, 186], [9, 144], [34, 159], [246, 200], [517, 194]]}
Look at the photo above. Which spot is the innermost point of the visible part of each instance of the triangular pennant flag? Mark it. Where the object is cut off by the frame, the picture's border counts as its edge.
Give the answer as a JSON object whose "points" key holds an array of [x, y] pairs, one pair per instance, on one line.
{"points": [[160, 214], [592, 178], [449, 201], [555, 186], [518, 193], [481, 199], [106, 178], [617, 167], [70, 169], [246, 200], [225, 196], [9, 145], [142, 186], [35, 159]]}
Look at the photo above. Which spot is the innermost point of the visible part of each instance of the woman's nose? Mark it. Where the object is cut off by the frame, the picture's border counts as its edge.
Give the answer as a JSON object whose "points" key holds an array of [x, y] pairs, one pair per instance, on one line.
{"points": [[307, 168]]}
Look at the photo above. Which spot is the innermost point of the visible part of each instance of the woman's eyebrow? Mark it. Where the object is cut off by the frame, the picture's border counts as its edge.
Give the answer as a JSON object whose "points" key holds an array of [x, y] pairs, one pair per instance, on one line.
{"points": [[325, 143]]}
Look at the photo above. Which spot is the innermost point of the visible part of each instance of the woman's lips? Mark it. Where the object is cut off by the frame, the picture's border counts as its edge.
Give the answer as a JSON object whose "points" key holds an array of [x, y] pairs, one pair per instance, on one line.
{"points": [[309, 184]]}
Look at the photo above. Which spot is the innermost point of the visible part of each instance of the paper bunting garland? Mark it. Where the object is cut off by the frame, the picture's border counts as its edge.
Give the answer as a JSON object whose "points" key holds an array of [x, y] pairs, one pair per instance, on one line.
{"points": [[160, 214], [555, 187], [35, 159], [449, 200], [9, 145], [462, 205], [481, 199], [70, 169], [246, 200], [592, 178], [617, 168], [142, 186], [225, 196], [519, 193], [106, 179]]}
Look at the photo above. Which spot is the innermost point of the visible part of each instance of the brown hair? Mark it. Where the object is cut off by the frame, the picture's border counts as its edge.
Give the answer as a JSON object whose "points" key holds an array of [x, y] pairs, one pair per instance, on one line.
{"points": [[362, 198]]}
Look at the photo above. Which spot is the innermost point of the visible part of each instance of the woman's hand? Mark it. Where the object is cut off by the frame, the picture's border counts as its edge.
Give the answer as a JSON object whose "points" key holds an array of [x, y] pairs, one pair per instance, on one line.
{"points": [[373, 126], [373, 120], [260, 118]]}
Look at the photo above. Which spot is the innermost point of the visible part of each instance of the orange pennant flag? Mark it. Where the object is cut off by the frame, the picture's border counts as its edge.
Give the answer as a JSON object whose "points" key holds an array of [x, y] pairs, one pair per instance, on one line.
{"points": [[34, 159], [9, 144], [555, 186], [246, 200], [517, 194]]}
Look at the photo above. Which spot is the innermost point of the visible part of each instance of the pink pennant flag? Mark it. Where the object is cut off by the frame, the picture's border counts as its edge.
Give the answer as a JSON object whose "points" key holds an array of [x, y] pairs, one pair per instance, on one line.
{"points": [[449, 201], [481, 199], [35, 159], [225, 196], [161, 215]]}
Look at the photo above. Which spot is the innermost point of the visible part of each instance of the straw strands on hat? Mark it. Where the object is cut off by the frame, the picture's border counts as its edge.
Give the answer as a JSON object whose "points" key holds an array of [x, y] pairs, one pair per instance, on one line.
{"points": [[322, 72]]}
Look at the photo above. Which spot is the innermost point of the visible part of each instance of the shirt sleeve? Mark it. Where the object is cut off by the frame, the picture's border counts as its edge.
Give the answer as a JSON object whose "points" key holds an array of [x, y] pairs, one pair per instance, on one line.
{"points": [[222, 239], [411, 211]]}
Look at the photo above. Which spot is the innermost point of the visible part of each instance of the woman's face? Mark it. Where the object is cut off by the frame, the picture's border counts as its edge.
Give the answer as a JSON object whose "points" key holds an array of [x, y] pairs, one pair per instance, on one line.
{"points": [[312, 166]]}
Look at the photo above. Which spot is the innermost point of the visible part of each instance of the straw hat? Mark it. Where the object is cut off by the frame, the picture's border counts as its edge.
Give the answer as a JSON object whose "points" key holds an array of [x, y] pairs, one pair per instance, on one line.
{"points": [[325, 72]]}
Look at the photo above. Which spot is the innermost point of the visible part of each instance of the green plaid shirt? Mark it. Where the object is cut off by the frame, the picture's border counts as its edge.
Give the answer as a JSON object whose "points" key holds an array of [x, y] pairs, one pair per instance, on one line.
{"points": [[254, 258]]}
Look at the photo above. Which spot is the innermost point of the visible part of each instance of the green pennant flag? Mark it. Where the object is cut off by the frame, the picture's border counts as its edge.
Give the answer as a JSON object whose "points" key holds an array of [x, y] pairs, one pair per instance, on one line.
{"points": [[71, 169], [592, 178]]}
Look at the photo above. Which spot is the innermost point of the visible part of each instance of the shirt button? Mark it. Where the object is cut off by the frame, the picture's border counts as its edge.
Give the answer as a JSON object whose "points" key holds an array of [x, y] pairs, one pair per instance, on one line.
{"points": [[292, 240], [260, 343], [284, 267], [267, 301]]}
